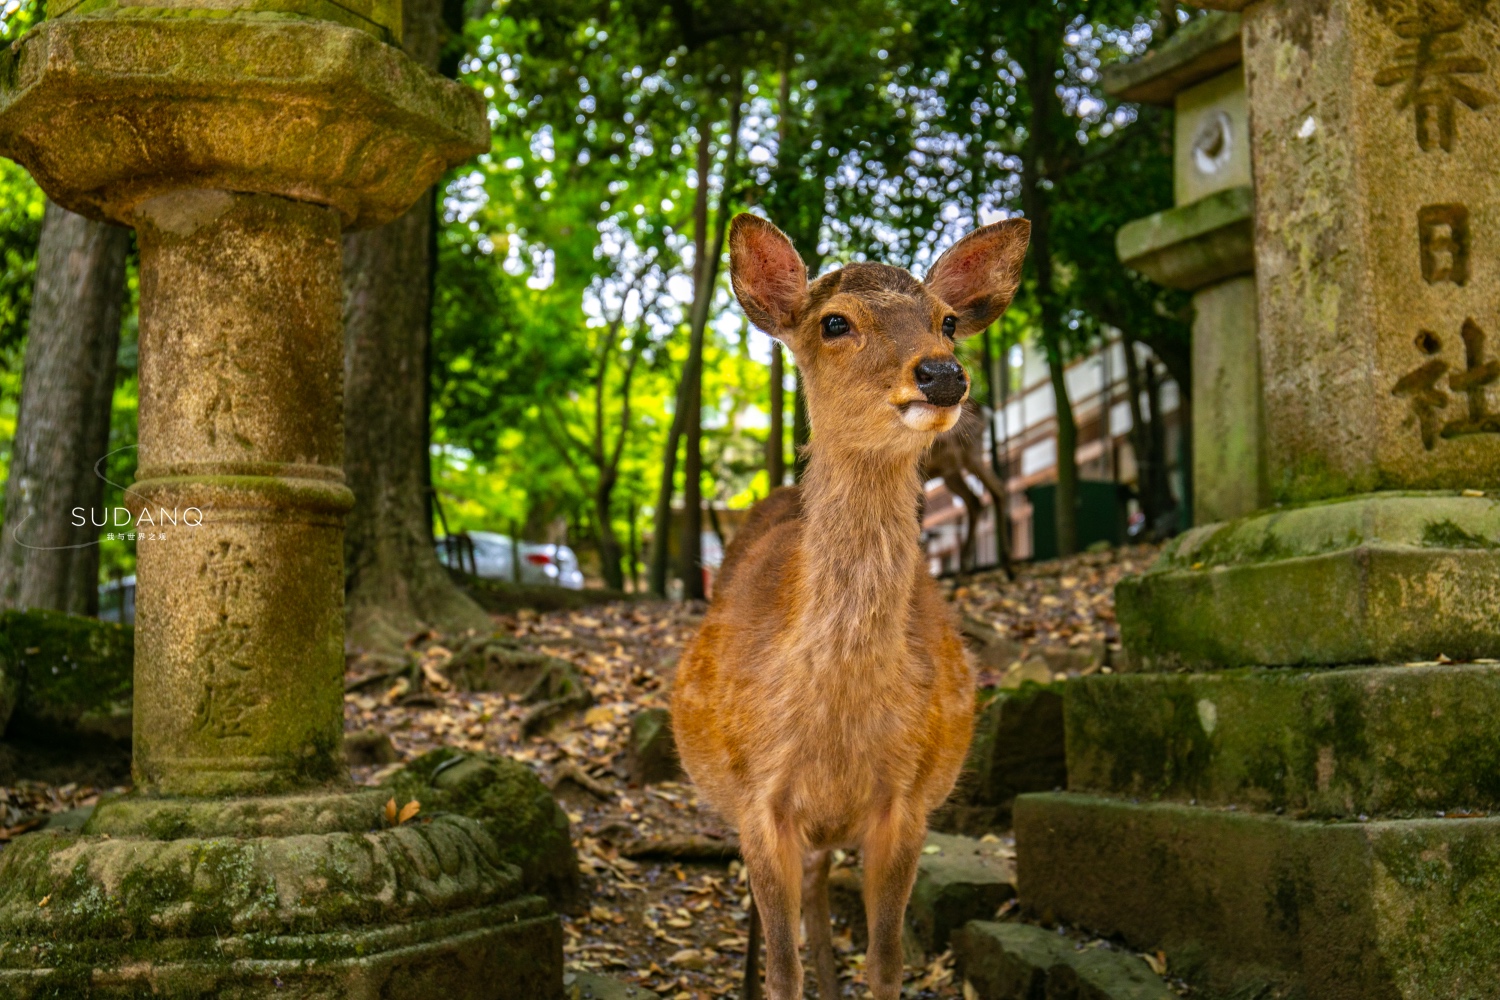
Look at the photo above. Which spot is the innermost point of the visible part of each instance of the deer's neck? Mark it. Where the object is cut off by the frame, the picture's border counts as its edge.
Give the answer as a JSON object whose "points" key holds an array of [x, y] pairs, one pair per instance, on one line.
{"points": [[860, 553]]}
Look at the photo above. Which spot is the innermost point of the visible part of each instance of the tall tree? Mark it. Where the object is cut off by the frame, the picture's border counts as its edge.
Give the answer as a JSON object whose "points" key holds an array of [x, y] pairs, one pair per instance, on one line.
{"points": [[48, 559], [709, 252], [395, 584]]}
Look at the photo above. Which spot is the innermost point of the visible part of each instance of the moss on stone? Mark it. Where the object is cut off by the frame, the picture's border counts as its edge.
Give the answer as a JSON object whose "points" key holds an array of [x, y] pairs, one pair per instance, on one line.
{"points": [[529, 828], [1374, 741], [69, 669]]}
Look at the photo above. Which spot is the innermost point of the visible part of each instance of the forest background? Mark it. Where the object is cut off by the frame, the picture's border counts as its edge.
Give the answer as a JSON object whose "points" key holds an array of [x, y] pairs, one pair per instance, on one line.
{"points": [[548, 345]]}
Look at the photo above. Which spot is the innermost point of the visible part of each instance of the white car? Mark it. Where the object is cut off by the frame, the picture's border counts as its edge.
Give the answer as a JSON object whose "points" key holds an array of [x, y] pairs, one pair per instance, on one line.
{"points": [[547, 564]]}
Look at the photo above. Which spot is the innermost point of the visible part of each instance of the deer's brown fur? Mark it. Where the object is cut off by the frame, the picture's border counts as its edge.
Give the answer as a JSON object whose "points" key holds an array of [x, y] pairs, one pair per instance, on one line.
{"points": [[827, 701]]}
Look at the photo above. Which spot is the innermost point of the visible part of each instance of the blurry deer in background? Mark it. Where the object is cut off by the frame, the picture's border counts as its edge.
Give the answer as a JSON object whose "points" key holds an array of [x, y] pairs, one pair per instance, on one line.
{"points": [[960, 450], [826, 701]]}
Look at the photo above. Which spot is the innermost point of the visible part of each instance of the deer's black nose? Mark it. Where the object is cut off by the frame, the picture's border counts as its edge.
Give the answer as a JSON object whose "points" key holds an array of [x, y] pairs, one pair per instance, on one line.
{"points": [[942, 381]]}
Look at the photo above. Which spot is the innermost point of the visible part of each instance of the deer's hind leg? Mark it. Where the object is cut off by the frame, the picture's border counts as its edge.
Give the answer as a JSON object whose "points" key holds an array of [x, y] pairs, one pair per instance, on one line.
{"points": [[891, 849], [773, 857], [818, 923]]}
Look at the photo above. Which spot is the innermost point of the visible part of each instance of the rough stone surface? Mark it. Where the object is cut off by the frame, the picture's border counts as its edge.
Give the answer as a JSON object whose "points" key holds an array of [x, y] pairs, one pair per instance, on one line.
{"points": [[1018, 747], [369, 747], [958, 879], [239, 686], [1007, 961], [1228, 470], [66, 673], [528, 826], [108, 113], [1347, 911], [653, 751], [1393, 577], [1192, 245], [1373, 741], [1377, 304], [591, 986], [425, 909], [136, 814]]}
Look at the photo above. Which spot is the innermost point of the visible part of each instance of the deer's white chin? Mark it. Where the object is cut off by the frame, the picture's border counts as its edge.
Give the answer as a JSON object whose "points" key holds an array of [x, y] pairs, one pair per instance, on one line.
{"points": [[921, 416]]}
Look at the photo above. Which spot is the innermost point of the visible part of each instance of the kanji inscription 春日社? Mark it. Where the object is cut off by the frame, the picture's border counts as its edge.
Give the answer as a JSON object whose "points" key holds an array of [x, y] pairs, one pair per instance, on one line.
{"points": [[1429, 401], [1432, 69]]}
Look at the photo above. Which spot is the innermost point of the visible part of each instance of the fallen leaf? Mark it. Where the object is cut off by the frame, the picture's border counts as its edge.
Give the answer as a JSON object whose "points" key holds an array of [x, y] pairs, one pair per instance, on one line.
{"points": [[390, 812], [408, 811], [45, 900]]}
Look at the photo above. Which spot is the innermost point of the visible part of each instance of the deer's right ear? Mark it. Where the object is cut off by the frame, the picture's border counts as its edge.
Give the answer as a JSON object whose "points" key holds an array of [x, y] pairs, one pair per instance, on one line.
{"points": [[768, 275]]}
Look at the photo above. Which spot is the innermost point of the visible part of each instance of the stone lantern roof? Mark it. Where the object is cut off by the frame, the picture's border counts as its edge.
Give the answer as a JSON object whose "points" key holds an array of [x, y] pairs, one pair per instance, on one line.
{"points": [[1203, 48]]}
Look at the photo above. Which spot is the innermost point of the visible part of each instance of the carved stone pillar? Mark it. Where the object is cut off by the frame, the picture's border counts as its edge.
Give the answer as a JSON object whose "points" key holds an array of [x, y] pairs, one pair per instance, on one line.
{"points": [[240, 146]]}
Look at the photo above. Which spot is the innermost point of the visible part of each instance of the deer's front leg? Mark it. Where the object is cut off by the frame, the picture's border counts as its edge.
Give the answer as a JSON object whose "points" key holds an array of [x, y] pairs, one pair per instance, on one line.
{"points": [[773, 856], [890, 851]]}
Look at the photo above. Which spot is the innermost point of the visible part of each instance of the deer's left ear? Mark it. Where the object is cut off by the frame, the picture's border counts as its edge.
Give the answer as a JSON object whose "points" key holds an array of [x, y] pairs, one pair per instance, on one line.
{"points": [[979, 274]]}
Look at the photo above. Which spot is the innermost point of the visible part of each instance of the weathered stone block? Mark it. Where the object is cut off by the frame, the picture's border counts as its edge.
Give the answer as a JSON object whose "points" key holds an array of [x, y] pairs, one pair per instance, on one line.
{"points": [[1346, 911], [1228, 470], [1375, 140], [1211, 148], [653, 751], [420, 910], [1383, 578], [1379, 740], [67, 672], [369, 746], [528, 826], [958, 879], [1193, 245], [1020, 961], [591, 986]]}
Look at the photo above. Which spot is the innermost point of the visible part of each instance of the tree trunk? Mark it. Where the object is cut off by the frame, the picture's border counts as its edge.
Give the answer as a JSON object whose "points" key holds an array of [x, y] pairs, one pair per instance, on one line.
{"points": [[776, 438], [604, 533], [661, 521], [395, 584], [690, 545], [62, 426], [1036, 156]]}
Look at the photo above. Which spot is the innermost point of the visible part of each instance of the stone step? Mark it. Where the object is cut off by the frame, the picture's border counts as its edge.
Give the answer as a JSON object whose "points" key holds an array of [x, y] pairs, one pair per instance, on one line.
{"points": [[1345, 911], [1018, 747], [592, 986], [958, 879], [1021, 961], [1336, 743]]}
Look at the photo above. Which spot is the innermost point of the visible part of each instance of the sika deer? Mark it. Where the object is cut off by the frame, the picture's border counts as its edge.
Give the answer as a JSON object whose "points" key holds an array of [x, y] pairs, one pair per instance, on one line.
{"points": [[826, 701], [956, 454]]}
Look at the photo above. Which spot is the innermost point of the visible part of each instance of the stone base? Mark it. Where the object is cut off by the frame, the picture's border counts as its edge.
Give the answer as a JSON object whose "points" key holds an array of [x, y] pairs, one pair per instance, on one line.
{"points": [[426, 909], [1382, 578], [1344, 911], [1334, 743]]}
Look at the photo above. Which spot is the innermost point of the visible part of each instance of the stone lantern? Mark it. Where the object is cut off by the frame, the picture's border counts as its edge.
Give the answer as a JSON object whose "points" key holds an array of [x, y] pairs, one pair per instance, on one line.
{"points": [[1293, 790], [240, 140], [1205, 245]]}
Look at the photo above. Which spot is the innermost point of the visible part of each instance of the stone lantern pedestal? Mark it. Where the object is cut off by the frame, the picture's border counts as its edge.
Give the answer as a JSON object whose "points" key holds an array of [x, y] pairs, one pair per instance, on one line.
{"points": [[1298, 785], [240, 143]]}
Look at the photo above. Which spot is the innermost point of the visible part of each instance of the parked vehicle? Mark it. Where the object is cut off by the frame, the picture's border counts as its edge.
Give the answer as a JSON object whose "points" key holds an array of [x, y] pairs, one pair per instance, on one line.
{"points": [[117, 601], [488, 555]]}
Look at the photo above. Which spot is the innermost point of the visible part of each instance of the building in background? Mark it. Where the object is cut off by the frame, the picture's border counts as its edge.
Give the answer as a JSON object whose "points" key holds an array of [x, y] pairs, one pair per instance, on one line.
{"points": [[1026, 436]]}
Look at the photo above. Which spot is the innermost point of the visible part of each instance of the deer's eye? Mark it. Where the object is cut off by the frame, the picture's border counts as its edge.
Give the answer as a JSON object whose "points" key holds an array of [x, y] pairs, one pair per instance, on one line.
{"points": [[835, 326], [950, 326]]}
